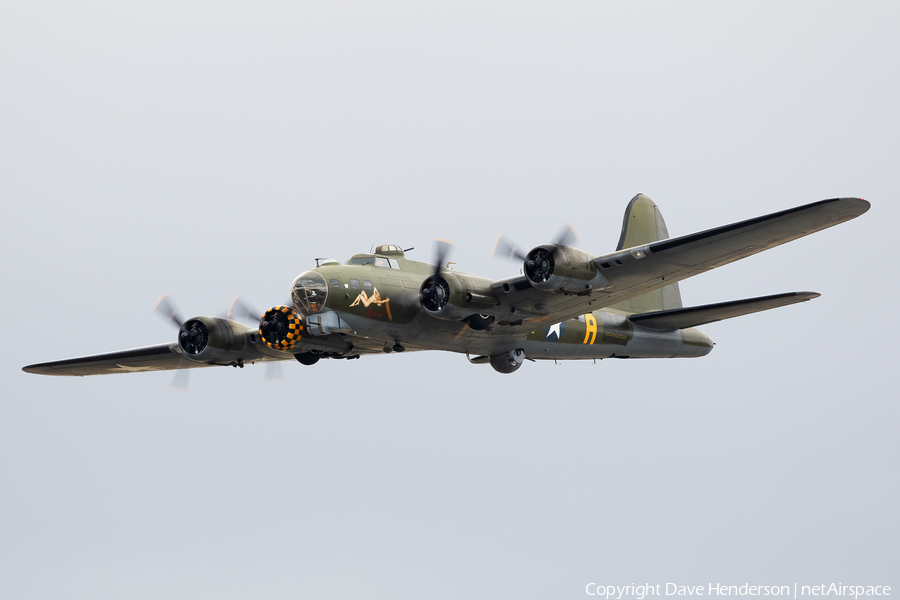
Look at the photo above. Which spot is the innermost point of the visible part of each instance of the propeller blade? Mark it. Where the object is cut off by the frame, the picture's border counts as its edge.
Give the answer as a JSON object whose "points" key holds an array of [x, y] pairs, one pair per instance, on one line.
{"points": [[241, 310], [433, 292], [506, 249], [181, 379], [273, 371], [166, 308], [567, 236], [441, 252]]}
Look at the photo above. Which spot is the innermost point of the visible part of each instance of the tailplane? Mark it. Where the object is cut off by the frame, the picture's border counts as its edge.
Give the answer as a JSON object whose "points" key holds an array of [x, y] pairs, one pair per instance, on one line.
{"points": [[643, 224], [695, 316]]}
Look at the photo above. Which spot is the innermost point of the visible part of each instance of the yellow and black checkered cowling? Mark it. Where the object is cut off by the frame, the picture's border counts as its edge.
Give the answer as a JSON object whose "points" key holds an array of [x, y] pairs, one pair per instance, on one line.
{"points": [[280, 327]]}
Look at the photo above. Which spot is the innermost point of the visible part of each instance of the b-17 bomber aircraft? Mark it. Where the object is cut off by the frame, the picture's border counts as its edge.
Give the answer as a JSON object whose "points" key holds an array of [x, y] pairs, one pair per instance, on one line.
{"points": [[567, 304]]}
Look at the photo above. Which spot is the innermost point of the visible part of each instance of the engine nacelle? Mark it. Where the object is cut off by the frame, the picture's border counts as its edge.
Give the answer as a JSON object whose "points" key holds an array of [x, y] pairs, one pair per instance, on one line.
{"points": [[213, 340], [280, 327], [563, 269], [443, 297], [458, 297]]}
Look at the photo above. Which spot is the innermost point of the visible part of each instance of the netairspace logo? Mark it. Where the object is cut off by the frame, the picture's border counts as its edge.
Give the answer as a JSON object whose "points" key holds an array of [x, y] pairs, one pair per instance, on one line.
{"points": [[640, 592]]}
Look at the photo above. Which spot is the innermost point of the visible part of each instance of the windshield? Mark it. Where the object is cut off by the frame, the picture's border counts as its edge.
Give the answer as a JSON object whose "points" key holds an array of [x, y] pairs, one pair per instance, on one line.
{"points": [[378, 261]]}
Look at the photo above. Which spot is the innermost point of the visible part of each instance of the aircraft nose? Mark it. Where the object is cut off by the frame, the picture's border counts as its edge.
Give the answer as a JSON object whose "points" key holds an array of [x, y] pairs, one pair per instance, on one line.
{"points": [[309, 292]]}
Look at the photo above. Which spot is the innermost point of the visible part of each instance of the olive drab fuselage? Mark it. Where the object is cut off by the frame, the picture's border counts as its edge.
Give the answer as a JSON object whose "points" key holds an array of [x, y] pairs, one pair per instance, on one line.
{"points": [[378, 303]]}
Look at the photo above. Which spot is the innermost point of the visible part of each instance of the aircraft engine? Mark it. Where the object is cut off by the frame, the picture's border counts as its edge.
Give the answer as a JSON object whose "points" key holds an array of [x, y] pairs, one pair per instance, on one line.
{"points": [[459, 297], [444, 296], [212, 340], [562, 269], [280, 327], [456, 296]]}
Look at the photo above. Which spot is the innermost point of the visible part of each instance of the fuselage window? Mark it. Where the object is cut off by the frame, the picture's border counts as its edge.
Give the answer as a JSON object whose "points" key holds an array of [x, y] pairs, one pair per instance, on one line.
{"points": [[367, 284], [334, 283], [394, 263], [381, 262], [354, 283]]}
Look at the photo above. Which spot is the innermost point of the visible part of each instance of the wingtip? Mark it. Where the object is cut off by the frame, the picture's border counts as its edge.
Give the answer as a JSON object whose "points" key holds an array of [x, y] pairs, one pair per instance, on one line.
{"points": [[859, 205], [41, 369]]}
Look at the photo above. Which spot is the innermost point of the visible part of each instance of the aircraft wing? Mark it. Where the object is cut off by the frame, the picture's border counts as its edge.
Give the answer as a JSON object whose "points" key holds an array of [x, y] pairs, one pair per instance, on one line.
{"points": [[680, 318], [633, 271], [162, 357]]}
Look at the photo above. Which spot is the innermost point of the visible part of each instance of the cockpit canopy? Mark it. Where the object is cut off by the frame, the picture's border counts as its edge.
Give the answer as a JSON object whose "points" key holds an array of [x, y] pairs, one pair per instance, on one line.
{"points": [[371, 259], [387, 261]]}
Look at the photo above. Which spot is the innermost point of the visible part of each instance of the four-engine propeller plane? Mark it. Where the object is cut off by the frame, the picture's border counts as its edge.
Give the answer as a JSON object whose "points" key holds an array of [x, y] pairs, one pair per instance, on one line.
{"points": [[566, 304]]}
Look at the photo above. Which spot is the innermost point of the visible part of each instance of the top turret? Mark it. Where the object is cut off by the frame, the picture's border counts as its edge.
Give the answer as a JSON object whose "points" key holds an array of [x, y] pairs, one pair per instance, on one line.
{"points": [[390, 250]]}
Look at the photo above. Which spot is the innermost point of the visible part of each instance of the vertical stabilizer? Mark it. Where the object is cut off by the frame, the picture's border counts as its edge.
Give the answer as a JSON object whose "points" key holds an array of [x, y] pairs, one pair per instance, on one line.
{"points": [[644, 224]]}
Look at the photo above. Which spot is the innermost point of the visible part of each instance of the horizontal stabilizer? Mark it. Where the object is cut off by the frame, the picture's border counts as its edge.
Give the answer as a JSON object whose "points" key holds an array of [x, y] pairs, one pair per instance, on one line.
{"points": [[681, 318]]}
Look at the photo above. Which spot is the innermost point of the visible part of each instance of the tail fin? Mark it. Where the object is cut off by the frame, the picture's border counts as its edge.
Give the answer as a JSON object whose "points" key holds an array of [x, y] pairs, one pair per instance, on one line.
{"points": [[644, 224]]}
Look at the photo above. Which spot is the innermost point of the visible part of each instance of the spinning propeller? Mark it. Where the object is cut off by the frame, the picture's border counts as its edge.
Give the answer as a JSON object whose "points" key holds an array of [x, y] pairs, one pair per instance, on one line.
{"points": [[505, 248], [436, 291], [538, 264], [241, 310], [193, 335]]}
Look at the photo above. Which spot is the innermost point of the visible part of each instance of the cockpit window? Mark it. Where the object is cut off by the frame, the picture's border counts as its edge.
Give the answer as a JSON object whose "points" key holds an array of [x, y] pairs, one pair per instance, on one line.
{"points": [[394, 263], [382, 262], [362, 260]]}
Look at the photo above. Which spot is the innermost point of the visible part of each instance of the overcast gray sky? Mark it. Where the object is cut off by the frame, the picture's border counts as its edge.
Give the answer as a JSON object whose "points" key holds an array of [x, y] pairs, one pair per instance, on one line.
{"points": [[213, 149]]}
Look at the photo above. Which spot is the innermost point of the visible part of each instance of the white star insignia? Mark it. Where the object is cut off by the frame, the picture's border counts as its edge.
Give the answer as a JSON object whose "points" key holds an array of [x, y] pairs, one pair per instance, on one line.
{"points": [[554, 329]]}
